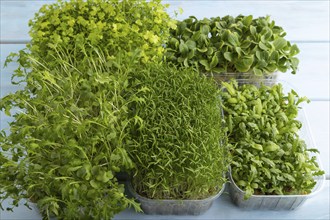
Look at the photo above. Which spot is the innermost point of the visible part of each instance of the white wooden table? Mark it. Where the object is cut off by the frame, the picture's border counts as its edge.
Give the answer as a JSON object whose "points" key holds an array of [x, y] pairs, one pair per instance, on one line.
{"points": [[306, 23]]}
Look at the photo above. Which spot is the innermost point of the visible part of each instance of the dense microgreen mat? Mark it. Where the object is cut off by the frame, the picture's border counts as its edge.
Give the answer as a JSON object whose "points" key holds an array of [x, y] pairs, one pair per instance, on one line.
{"points": [[232, 44], [67, 139], [268, 155], [178, 141], [115, 26], [76, 125], [96, 99]]}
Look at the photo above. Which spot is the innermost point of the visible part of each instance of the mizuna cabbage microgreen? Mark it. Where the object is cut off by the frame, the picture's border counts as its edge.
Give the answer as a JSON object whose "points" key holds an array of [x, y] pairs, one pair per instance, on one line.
{"points": [[241, 44], [268, 155]]}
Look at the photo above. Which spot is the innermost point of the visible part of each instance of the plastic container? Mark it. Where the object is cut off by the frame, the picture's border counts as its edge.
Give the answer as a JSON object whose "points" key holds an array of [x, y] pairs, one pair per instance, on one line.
{"points": [[270, 202], [174, 207], [280, 202], [248, 78]]}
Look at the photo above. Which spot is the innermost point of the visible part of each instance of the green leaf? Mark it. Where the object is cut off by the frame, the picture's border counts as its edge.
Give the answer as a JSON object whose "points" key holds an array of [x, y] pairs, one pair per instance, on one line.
{"points": [[214, 61], [174, 42], [233, 39], [294, 50], [183, 48], [185, 62], [300, 158], [7, 110], [280, 178], [205, 63], [247, 20], [228, 56], [239, 51], [241, 183], [205, 29], [271, 146], [257, 146], [257, 71], [274, 56], [253, 170], [94, 184], [244, 64], [196, 36], [191, 54], [268, 161], [218, 70], [210, 51], [230, 88], [289, 177], [72, 169], [279, 43], [294, 62], [258, 106], [275, 170], [246, 44], [191, 44], [104, 176], [263, 46], [314, 150], [257, 162], [202, 50], [253, 30], [252, 125], [267, 172], [248, 192]]}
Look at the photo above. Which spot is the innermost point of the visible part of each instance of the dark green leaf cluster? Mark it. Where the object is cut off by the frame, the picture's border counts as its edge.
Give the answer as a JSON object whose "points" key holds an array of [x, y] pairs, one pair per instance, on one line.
{"points": [[67, 140], [177, 141], [268, 156], [241, 44], [113, 25]]}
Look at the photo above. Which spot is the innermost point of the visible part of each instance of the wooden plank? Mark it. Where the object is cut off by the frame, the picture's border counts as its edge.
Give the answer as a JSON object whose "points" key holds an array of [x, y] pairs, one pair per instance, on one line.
{"points": [[316, 207], [6, 73], [317, 113], [312, 79], [302, 20]]}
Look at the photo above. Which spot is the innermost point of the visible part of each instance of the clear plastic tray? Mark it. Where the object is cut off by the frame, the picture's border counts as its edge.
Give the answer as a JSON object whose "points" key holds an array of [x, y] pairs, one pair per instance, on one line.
{"points": [[247, 78], [280, 202], [174, 207], [271, 202]]}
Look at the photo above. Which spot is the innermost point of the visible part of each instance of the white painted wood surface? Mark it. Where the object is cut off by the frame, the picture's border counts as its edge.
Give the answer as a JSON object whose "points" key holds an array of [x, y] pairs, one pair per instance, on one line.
{"points": [[306, 23], [222, 208], [303, 20]]}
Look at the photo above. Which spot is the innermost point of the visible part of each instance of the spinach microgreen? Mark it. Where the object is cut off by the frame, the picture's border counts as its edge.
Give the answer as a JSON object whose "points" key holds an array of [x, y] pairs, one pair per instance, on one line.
{"points": [[268, 155]]}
